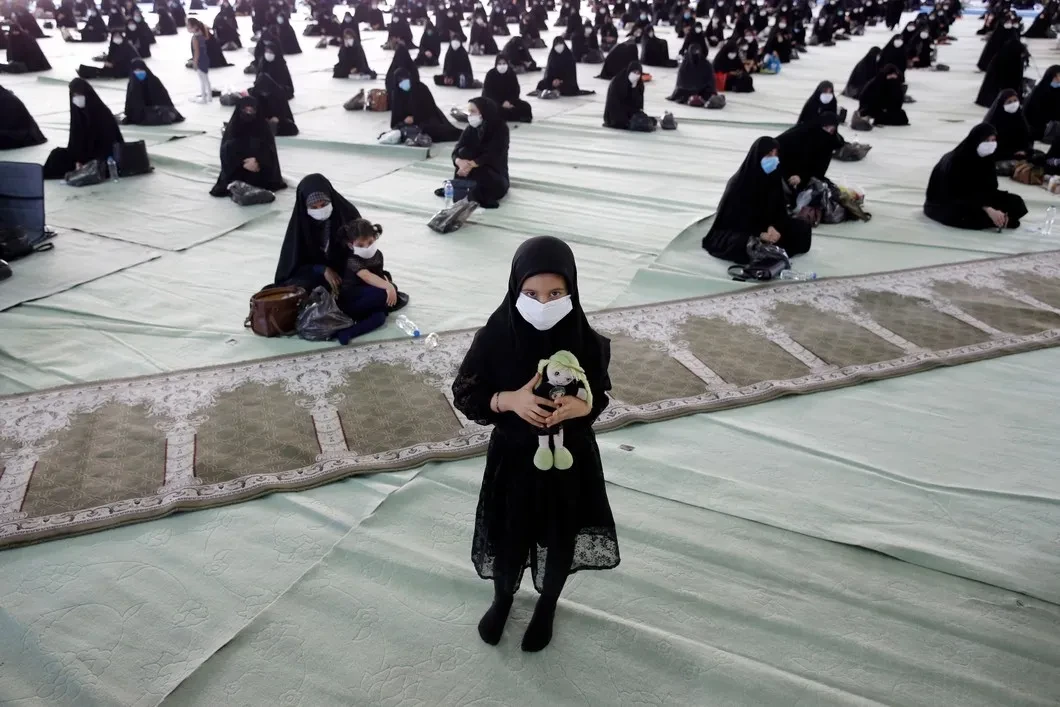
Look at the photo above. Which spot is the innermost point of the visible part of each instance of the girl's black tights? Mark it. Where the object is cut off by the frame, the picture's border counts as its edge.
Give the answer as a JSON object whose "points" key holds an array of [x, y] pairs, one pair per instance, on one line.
{"points": [[539, 632]]}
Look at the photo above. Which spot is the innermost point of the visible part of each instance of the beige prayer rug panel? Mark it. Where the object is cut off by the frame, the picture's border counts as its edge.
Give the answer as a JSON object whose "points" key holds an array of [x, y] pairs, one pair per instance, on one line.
{"points": [[831, 338], [643, 372], [108, 455], [913, 319], [1044, 289], [254, 429], [997, 309], [738, 354], [385, 407]]}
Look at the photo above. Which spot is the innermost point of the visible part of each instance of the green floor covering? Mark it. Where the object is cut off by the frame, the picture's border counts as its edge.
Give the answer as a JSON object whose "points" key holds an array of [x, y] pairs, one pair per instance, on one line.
{"points": [[743, 580]]}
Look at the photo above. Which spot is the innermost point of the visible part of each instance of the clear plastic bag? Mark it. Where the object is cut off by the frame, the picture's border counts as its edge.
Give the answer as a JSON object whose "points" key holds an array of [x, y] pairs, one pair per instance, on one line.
{"points": [[452, 218], [321, 317]]}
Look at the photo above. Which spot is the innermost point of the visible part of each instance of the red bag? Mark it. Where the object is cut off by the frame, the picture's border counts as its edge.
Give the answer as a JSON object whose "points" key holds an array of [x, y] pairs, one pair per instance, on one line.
{"points": [[719, 79]]}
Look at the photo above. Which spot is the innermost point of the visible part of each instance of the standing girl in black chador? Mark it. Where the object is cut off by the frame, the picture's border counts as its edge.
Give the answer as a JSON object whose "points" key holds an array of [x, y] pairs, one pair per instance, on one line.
{"points": [[555, 521]]}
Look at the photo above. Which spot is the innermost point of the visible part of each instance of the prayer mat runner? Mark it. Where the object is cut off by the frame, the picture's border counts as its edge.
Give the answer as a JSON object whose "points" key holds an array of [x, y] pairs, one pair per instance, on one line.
{"points": [[88, 457]]}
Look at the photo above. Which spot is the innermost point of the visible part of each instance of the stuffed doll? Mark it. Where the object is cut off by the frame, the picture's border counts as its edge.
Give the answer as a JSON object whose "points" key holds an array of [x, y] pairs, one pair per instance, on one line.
{"points": [[561, 375]]}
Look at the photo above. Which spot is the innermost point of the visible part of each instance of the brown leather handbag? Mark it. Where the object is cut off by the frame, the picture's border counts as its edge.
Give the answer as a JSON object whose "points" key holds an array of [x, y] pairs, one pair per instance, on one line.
{"points": [[274, 310]]}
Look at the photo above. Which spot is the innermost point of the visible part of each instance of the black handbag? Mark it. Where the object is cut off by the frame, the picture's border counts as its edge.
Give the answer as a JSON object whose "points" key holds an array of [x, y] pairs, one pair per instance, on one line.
{"points": [[91, 172], [766, 262], [132, 158], [16, 242]]}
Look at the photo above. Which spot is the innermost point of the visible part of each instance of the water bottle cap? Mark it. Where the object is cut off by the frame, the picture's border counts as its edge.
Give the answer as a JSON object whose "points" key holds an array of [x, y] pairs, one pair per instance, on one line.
{"points": [[415, 333]]}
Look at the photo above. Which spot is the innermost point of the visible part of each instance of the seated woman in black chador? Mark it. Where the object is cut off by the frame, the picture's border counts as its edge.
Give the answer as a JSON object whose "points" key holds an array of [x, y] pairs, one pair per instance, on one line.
{"points": [[352, 59], [1014, 139], [17, 126], [753, 207], [502, 87], [147, 101], [557, 521], [619, 58], [1043, 105], [695, 78], [120, 57], [519, 57], [862, 73], [248, 151], [482, 42], [93, 132], [625, 101], [656, 50], [821, 101], [273, 63], [23, 53], [806, 150], [430, 47], [881, 99], [411, 103], [1005, 71], [273, 105], [730, 71], [962, 191], [481, 156], [561, 72], [456, 71], [313, 252], [95, 29]]}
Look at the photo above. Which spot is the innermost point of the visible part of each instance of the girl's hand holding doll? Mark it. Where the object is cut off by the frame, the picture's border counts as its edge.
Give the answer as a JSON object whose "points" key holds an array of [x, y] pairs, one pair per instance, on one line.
{"points": [[567, 408], [525, 404]]}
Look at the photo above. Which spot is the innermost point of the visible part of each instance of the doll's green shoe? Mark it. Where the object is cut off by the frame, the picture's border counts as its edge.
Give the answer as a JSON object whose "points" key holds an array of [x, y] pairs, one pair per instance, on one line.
{"points": [[543, 458], [564, 459]]}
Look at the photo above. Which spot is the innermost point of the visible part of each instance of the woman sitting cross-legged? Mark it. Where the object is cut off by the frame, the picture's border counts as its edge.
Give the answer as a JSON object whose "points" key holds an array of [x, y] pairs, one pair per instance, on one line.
{"points": [[481, 156]]}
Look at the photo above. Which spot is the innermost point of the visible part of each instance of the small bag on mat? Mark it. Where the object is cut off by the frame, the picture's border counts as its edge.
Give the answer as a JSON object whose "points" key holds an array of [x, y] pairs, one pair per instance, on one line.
{"points": [[321, 317], [454, 217], [668, 122], [16, 242], [859, 123], [355, 103], [377, 101], [132, 158], [696, 101], [90, 173], [1027, 173], [852, 152], [766, 262], [274, 311], [247, 195], [642, 123], [1052, 131], [390, 137], [716, 102]]}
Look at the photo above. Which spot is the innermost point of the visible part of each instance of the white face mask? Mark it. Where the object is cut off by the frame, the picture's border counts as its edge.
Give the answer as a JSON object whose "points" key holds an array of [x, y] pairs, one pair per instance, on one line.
{"points": [[1012, 107], [321, 214], [279, 20], [474, 120], [131, 26], [985, 149], [349, 42], [1008, 26], [367, 252], [826, 98], [634, 78], [269, 56], [559, 48], [732, 55], [923, 35], [455, 44], [544, 316], [783, 25], [78, 101], [502, 68], [898, 44], [118, 40]]}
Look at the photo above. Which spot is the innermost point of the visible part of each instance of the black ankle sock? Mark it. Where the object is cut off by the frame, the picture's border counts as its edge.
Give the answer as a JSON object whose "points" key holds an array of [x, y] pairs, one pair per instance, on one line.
{"points": [[539, 632], [491, 626]]}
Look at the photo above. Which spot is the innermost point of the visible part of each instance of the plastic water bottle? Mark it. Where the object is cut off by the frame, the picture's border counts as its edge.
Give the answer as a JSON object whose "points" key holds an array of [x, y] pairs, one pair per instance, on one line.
{"points": [[796, 275], [408, 326], [448, 193], [112, 169], [1050, 217]]}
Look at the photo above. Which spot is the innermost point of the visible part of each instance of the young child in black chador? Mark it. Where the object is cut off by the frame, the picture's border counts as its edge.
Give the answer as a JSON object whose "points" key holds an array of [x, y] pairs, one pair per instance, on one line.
{"points": [[543, 503]]}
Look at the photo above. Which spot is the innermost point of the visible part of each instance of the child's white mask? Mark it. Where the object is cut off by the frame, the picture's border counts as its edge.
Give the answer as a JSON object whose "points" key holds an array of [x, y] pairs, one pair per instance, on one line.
{"points": [[366, 252], [544, 316]]}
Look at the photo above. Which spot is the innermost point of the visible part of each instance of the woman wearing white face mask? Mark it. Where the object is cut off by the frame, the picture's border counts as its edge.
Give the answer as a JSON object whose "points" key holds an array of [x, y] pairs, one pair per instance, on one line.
{"points": [[480, 158], [456, 71], [561, 72], [273, 63], [523, 510], [314, 252], [482, 41], [821, 101], [120, 57], [93, 132], [1014, 139], [502, 87], [963, 193], [367, 293], [352, 59], [286, 35], [624, 109]]}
